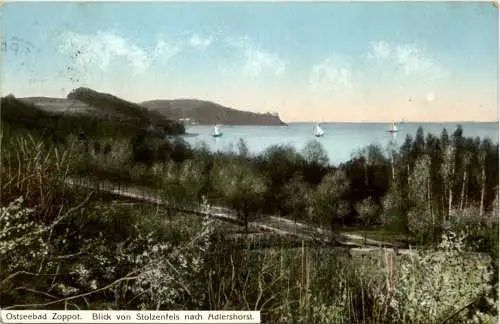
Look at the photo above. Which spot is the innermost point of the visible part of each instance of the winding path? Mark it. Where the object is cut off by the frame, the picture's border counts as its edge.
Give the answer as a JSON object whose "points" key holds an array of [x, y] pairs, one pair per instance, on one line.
{"points": [[266, 223]]}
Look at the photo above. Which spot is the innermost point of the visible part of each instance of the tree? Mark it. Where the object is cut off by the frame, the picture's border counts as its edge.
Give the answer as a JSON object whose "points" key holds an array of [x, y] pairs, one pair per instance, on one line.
{"points": [[406, 159], [192, 180], [142, 152], [394, 210], [495, 210], [421, 217], [466, 159], [368, 210], [180, 150], [298, 198], [458, 145], [364, 157], [329, 205], [171, 187], [483, 151], [243, 150], [315, 162], [242, 187], [314, 153], [418, 147], [278, 164], [434, 152], [372, 157], [391, 150], [448, 175], [445, 139]]}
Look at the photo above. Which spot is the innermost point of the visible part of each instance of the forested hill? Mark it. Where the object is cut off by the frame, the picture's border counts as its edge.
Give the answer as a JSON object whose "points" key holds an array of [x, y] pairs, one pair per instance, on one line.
{"points": [[82, 108], [125, 109], [83, 115], [209, 113]]}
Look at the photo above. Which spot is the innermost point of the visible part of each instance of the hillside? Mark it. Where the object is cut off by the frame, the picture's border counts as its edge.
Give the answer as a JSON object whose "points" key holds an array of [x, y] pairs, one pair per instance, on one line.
{"points": [[60, 105], [125, 109], [209, 113], [54, 121], [85, 102], [84, 113], [101, 114]]}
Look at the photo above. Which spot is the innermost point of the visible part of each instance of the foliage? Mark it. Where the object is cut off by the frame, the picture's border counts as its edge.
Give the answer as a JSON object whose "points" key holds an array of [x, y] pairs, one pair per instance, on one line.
{"points": [[439, 284], [314, 153], [328, 204], [125, 255], [242, 188], [243, 150], [368, 210], [298, 197], [21, 238], [21, 116], [394, 211]]}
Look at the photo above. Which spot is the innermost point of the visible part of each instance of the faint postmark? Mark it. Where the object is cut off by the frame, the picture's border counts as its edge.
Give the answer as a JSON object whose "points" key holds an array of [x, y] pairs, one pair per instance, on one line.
{"points": [[16, 46]]}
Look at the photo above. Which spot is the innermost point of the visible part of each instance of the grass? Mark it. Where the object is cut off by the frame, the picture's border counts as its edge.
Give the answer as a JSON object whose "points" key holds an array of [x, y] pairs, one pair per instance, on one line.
{"points": [[64, 247], [289, 285]]}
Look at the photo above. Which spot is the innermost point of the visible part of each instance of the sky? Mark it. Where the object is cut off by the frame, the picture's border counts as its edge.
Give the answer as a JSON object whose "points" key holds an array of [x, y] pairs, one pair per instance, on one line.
{"points": [[323, 61]]}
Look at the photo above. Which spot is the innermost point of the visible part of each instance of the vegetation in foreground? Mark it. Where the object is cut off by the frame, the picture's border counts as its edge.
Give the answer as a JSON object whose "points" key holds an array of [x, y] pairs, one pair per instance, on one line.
{"points": [[64, 247]]}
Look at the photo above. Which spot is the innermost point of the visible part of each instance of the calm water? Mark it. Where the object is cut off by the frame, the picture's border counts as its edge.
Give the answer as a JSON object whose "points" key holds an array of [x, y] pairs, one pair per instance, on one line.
{"points": [[340, 141]]}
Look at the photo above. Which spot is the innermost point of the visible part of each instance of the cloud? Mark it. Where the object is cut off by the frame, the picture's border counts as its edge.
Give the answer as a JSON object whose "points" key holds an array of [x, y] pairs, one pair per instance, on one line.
{"points": [[334, 74], [379, 50], [101, 49], [165, 50], [258, 61], [200, 42], [410, 59], [415, 60]]}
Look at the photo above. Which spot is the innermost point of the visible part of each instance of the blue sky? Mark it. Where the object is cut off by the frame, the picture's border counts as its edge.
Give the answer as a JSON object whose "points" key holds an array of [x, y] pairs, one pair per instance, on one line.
{"points": [[308, 61]]}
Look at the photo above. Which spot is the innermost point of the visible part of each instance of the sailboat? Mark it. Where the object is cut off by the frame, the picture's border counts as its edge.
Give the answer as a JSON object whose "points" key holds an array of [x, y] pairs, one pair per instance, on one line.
{"points": [[393, 128], [217, 132], [318, 131]]}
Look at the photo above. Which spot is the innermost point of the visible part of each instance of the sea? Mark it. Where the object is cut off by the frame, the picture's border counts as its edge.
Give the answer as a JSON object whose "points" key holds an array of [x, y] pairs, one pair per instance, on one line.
{"points": [[340, 141]]}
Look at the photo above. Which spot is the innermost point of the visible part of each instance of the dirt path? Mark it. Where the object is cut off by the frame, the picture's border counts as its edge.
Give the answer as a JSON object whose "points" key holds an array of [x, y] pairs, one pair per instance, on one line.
{"points": [[278, 225]]}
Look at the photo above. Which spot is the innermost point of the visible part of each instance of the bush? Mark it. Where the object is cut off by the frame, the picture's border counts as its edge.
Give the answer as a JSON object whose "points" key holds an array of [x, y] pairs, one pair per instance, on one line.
{"points": [[22, 239], [439, 284]]}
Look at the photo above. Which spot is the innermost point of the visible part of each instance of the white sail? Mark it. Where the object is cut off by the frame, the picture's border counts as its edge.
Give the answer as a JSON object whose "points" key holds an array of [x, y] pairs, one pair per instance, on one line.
{"points": [[318, 131], [216, 132], [393, 128]]}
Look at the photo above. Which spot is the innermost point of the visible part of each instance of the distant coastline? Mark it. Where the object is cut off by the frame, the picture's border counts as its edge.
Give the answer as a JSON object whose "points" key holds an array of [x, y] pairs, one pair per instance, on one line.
{"points": [[196, 111], [184, 111], [201, 112]]}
